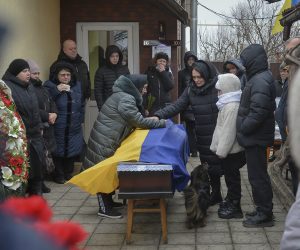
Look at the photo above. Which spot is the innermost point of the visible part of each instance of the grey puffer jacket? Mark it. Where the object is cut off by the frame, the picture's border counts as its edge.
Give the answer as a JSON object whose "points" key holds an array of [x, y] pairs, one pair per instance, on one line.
{"points": [[118, 117]]}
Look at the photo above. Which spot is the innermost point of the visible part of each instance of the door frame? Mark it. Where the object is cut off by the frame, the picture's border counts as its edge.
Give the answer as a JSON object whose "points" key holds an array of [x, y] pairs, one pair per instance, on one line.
{"points": [[132, 28], [82, 29]]}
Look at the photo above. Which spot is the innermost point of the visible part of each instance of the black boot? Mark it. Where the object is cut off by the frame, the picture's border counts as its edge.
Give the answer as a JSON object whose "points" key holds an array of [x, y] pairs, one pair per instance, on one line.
{"points": [[45, 189], [105, 207], [231, 210], [259, 219], [215, 196], [34, 188], [223, 205], [113, 203], [253, 213]]}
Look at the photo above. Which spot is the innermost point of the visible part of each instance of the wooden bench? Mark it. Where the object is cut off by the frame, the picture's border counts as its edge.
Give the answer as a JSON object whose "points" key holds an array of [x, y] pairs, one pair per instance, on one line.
{"points": [[144, 183]]}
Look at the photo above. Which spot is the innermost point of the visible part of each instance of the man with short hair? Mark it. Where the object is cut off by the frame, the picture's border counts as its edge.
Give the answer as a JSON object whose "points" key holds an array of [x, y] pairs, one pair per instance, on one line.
{"points": [[70, 55]]}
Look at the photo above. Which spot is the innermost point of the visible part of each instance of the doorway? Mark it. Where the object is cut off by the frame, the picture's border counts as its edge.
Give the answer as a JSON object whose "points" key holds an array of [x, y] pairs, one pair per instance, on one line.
{"points": [[92, 40]]}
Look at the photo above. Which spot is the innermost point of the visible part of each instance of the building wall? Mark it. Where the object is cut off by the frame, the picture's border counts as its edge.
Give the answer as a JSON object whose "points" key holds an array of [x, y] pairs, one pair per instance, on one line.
{"points": [[147, 13], [34, 32]]}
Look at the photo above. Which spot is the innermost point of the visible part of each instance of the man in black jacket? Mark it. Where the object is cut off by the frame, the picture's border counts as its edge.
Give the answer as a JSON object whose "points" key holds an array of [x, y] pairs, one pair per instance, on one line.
{"points": [[255, 131], [70, 55]]}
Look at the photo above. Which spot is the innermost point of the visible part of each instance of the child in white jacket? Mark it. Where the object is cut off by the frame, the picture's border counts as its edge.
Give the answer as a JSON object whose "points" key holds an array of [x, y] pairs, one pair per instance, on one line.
{"points": [[225, 145]]}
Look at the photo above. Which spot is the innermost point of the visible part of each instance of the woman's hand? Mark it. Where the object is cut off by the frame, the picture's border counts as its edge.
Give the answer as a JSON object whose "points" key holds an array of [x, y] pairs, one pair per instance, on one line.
{"points": [[52, 118], [63, 87]]}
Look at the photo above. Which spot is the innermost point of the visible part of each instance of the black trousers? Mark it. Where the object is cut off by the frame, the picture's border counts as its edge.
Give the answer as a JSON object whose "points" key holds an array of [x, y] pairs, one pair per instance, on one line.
{"points": [[190, 130], [259, 178], [231, 166], [35, 172], [64, 167]]}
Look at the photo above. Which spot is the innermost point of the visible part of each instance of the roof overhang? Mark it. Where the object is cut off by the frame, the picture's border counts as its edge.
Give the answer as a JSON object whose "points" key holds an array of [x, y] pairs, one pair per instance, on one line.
{"points": [[175, 8]]}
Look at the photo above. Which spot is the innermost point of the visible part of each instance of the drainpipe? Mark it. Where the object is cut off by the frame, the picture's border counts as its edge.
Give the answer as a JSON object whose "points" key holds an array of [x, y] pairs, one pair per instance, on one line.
{"points": [[194, 20]]}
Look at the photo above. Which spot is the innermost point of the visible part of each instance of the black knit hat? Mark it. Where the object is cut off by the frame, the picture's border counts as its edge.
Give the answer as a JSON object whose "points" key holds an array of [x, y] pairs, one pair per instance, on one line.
{"points": [[17, 65], [138, 80], [161, 55]]}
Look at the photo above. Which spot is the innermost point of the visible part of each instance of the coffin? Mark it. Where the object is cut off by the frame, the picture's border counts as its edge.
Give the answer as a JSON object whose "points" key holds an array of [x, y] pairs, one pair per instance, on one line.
{"points": [[139, 180]]}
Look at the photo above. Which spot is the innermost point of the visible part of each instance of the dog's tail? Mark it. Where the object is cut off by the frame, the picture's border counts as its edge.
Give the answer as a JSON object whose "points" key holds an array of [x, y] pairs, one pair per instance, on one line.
{"points": [[191, 203]]}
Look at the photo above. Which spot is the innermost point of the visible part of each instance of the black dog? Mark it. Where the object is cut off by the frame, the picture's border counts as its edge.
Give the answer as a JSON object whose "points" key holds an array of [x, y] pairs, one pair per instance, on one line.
{"points": [[197, 197]]}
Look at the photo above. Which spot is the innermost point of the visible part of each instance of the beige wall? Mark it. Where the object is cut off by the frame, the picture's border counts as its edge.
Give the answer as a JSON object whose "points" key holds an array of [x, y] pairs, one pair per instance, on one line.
{"points": [[34, 27]]}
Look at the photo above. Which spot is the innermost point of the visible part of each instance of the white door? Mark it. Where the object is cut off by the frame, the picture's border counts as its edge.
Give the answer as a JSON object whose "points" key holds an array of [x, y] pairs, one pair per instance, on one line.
{"points": [[92, 40]]}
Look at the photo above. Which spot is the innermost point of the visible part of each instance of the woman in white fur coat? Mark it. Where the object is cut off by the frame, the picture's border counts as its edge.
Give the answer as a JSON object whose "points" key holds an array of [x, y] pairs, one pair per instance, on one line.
{"points": [[225, 145]]}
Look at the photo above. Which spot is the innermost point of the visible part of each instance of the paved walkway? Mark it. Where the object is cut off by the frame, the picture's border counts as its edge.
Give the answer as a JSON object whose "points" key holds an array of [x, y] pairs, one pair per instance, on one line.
{"points": [[69, 202]]}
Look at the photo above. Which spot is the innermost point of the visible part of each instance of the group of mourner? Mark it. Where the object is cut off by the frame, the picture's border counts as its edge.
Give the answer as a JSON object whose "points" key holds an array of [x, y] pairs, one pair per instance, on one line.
{"points": [[229, 119]]}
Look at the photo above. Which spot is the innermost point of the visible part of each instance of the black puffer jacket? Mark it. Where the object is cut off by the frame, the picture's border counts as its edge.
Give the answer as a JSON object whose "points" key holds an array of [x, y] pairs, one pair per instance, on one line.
{"points": [[46, 105], [255, 121], [106, 76], [118, 117], [81, 71], [27, 104], [203, 102], [240, 70], [160, 85]]}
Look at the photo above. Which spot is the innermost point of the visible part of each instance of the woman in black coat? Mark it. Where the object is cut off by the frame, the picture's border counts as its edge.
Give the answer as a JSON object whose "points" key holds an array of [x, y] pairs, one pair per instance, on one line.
{"points": [[105, 76], [17, 78], [202, 96], [48, 112]]}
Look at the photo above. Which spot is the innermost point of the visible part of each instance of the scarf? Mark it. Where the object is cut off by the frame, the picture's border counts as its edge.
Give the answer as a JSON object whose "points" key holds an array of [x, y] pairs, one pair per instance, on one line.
{"points": [[228, 98]]}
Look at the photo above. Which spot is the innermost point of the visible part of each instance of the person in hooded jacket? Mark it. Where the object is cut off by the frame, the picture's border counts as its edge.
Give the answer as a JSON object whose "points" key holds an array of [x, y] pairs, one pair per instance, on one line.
{"points": [[234, 66], [65, 90], [17, 78], [48, 111], [225, 145], [187, 116], [70, 55], [106, 75], [118, 117], [202, 96], [255, 131], [160, 84]]}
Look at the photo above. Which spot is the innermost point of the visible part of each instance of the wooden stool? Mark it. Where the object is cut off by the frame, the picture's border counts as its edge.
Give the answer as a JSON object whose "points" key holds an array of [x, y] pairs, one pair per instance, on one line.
{"points": [[161, 209], [139, 182]]}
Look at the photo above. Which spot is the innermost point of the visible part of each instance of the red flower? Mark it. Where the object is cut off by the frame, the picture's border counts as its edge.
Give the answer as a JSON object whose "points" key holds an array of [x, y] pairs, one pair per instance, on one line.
{"points": [[6, 101], [33, 207], [16, 161], [64, 233], [18, 171]]}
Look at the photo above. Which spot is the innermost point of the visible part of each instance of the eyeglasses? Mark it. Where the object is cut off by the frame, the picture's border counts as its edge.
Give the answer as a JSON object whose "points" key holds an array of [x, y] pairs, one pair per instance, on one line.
{"points": [[65, 75]]}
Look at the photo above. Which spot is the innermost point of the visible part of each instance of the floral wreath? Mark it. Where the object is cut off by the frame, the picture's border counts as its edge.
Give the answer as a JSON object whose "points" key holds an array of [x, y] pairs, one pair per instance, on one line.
{"points": [[13, 162]]}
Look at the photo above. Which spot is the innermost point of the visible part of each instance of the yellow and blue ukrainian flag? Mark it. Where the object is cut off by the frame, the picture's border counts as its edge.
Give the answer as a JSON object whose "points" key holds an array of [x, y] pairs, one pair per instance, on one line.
{"points": [[163, 145], [287, 4]]}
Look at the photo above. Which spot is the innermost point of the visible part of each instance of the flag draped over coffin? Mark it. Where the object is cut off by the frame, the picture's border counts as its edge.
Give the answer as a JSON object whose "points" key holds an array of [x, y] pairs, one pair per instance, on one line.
{"points": [[164, 145]]}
